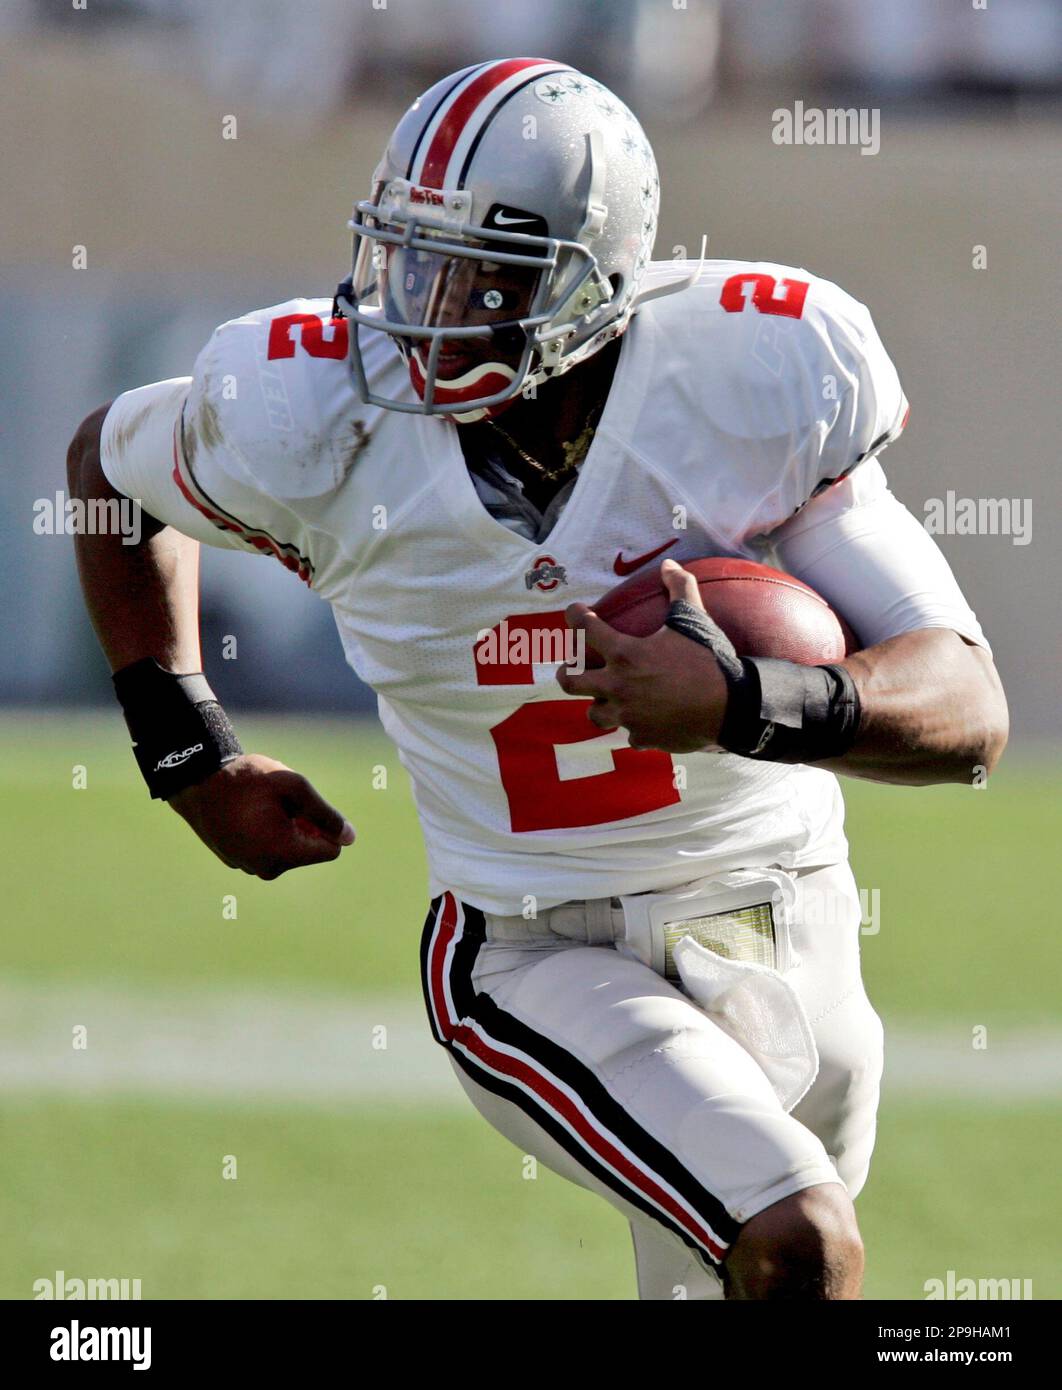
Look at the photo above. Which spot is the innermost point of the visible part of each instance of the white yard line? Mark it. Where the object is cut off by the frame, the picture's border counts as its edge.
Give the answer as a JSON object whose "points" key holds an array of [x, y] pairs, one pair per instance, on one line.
{"points": [[237, 1045], [1013, 1066], [329, 1050]]}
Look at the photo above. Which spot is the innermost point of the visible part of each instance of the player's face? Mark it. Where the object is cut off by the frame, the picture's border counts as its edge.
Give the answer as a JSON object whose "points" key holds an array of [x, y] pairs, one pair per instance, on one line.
{"points": [[425, 289]]}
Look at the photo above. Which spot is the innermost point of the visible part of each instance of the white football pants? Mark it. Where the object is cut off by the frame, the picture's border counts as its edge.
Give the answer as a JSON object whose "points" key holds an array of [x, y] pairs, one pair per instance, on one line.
{"points": [[611, 1076]]}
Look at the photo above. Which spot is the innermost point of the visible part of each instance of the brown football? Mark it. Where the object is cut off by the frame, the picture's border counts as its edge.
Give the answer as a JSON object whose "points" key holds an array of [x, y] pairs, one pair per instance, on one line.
{"points": [[763, 611]]}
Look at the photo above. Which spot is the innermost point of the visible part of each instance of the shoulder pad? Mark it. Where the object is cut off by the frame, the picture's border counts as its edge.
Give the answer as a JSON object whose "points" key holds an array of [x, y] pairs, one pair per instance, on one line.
{"points": [[273, 394], [781, 357]]}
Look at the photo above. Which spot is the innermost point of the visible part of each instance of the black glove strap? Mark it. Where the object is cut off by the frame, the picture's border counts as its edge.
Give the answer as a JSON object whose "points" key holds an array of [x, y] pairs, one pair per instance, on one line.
{"points": [[777, 711], [181, 735]]}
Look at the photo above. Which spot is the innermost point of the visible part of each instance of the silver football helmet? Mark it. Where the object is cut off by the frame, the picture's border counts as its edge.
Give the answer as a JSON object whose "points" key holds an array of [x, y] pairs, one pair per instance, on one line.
{"points": [[512, 218]]}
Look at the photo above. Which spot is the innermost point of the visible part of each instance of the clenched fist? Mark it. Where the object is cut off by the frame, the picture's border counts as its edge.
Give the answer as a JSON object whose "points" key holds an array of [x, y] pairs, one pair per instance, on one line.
{"points": [[259, 816]]}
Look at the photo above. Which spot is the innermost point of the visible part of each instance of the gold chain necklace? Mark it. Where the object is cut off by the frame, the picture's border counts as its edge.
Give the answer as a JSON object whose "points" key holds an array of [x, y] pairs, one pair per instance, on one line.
{"points": [[574, 451]]}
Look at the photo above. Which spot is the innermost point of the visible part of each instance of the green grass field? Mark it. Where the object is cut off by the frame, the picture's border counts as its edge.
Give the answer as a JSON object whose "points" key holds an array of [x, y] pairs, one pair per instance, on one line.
{"points": [[103, 887]]}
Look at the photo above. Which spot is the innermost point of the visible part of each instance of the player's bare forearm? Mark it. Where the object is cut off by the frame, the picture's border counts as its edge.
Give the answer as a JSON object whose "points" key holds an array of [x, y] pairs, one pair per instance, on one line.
{"points": [[933, 710], [254, 813], [143, 599]]}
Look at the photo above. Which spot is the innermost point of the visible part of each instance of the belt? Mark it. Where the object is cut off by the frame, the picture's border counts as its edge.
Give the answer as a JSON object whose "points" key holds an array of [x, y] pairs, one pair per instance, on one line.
{"points": [[742, 914], [724, 941], [595, 921]]}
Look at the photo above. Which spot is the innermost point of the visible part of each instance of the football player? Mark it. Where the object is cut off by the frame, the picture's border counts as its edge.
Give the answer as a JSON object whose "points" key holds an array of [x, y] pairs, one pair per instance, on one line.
{"points": [[642, 949]]}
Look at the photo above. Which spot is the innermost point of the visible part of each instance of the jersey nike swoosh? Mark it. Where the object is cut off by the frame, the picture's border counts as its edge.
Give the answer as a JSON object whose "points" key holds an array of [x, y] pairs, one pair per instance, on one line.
{"points": [[623, 566]]}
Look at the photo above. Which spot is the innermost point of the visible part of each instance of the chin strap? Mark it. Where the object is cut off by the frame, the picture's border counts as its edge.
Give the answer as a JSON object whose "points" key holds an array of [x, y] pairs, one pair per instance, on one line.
{"points": [[484, 379], [342, 297]]}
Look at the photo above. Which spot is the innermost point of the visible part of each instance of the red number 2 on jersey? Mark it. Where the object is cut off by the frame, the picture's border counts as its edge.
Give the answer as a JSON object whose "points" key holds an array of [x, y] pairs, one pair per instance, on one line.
{"points": [[539, 798], [310, 333], [766, 296]]}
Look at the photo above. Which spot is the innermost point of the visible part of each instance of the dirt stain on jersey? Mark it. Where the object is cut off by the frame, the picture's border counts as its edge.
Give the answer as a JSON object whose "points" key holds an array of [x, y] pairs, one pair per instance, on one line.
{"points": [[204, 427], [358, 444], [124, 435], [208, 423]]}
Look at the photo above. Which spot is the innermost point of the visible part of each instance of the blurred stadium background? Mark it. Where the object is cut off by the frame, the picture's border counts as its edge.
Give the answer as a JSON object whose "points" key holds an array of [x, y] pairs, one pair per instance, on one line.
{"points": [[360, 1166]]}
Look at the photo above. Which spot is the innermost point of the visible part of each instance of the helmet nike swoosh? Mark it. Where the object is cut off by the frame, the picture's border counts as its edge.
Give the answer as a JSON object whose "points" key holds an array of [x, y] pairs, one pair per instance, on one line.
{"points": [[623, 566], [500, 220]]}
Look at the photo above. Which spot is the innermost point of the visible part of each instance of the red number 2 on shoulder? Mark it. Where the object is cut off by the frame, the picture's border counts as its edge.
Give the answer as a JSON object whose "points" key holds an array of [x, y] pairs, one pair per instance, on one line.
{"points": [[310, 332], [765, 294]]}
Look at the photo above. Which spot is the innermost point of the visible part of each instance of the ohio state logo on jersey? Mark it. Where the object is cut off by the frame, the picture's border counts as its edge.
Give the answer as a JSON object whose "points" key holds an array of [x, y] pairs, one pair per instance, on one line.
{"points": [[545, 574]]}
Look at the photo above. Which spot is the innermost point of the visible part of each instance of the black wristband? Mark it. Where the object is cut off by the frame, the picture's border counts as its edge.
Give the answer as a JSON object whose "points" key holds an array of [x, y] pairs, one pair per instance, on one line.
{"points": [[777, 711], [782, 712], [181, 735]]}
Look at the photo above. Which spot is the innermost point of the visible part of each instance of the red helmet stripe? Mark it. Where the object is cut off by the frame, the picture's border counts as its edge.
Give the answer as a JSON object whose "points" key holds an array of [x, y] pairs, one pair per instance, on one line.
{"points": [[463, 107]]}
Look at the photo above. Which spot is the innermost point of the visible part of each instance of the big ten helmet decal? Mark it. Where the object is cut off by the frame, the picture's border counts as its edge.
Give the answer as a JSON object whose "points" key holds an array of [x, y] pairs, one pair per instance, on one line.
{"points": [[511, 220]]}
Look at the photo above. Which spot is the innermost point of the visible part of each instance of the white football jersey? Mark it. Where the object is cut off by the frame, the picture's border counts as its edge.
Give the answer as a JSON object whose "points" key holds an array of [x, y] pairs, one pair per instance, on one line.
{"points": [[733, 402]]}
